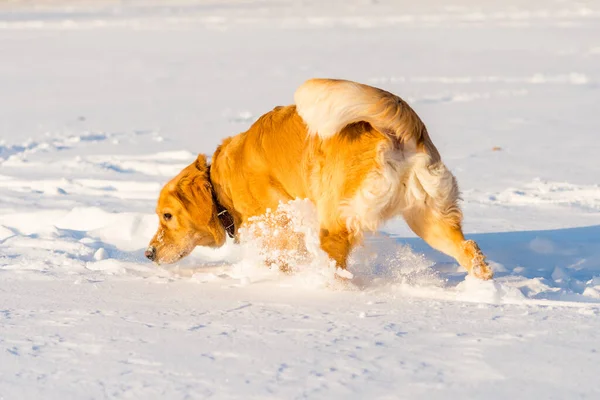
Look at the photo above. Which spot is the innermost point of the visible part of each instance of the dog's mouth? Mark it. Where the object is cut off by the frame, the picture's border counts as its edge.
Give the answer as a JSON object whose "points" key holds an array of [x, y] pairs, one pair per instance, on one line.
{"points": [[169, 254], [182, 254], [172, 258]]}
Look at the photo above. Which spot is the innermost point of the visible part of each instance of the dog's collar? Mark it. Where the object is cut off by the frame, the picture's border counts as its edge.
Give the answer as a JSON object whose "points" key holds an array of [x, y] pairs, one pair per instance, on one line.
{"points": [[225, 217]]}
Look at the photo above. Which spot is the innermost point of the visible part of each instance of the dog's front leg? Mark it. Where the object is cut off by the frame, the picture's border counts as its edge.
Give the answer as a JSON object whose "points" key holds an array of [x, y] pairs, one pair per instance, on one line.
{"points": [[337, 243]]}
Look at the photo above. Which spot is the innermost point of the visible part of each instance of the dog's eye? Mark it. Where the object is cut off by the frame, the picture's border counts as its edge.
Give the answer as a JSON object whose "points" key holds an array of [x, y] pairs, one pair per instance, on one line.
{"points": [[167, 216]]}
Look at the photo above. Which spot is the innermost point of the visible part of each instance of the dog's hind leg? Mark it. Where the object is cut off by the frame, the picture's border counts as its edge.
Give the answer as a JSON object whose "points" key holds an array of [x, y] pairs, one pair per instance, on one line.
{"points": [[432, 212], [445, 235]]}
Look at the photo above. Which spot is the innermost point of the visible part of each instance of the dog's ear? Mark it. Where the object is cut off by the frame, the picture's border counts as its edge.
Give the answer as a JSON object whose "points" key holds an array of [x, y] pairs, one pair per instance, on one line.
{"points": [[194, 188], [201, 164], [196, 193]]}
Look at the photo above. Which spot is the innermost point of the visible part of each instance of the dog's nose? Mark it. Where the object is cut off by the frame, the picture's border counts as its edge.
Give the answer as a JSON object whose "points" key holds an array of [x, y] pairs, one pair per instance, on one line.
{"points": [[150, 253]]}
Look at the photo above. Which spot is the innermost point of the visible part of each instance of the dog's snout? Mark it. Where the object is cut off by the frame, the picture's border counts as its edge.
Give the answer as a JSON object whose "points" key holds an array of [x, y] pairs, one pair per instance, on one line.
{"points": [[150, 253]]}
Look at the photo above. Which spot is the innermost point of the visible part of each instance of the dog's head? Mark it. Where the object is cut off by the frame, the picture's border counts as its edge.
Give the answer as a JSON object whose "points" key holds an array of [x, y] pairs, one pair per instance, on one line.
{"points": [[187, 215]]}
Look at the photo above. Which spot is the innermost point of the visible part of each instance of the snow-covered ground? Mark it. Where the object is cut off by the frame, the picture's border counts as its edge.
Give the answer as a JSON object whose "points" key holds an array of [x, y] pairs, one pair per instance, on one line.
{"points": [[101, 102]]}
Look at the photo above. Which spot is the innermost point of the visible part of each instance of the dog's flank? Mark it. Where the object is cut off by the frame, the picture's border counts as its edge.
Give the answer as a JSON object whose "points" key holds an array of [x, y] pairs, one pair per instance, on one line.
{"points": [[360, 154]]}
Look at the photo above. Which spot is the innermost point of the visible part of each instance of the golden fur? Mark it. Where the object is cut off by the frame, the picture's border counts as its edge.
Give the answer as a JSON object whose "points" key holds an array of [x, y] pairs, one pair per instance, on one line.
{"points": [[359, 153]]}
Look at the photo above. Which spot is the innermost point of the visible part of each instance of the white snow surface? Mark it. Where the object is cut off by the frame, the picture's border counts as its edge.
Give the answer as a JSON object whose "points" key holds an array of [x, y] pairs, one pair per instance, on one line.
{"points": [[101, 102]]}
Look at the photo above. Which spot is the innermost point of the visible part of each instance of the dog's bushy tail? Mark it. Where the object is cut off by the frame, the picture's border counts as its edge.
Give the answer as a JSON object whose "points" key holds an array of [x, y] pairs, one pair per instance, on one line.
{"points": [[328, 105]]}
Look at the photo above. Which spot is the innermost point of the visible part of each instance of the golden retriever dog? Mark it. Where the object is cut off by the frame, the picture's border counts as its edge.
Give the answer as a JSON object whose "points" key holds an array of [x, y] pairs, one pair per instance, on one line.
{"points": [[360, 154]]}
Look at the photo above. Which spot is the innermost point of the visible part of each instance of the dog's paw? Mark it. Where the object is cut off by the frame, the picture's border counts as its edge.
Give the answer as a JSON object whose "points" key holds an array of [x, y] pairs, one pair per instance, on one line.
{"points": [[482, 271], [479, 268]]}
